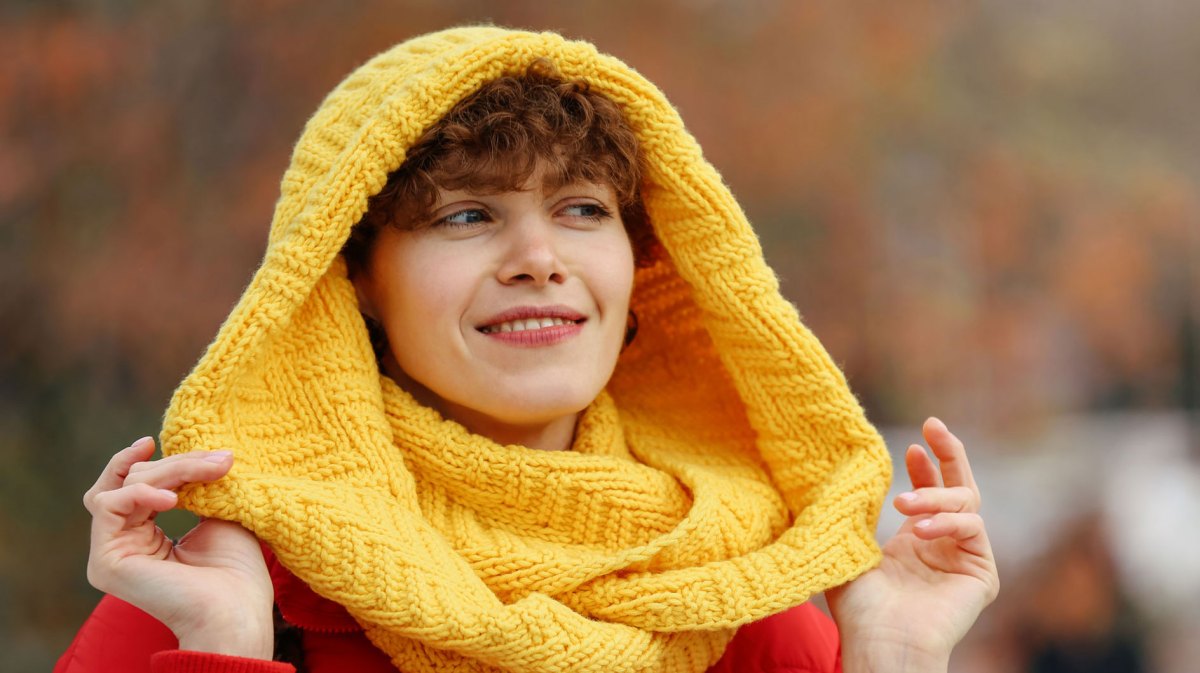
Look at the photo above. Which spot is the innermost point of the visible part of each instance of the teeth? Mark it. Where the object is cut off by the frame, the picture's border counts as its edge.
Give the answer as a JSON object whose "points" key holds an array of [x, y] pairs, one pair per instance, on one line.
{"points": [[528, 324]]}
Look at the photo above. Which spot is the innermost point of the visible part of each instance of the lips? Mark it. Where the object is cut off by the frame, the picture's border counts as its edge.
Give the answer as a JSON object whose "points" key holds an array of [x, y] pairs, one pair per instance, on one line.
{"points": [[526, 318], [525, 325], [533, 326]]}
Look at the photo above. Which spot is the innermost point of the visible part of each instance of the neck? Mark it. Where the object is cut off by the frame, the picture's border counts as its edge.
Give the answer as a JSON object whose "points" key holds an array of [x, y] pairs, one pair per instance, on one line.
{"points": [[554, 435]]}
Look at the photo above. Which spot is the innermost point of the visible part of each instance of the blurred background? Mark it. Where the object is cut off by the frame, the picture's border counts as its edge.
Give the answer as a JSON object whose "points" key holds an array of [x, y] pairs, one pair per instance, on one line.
{"points": [[987, 211]]}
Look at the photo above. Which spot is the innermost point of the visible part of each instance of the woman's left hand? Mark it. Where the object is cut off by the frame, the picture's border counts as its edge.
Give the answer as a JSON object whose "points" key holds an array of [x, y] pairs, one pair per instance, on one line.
{"points": [[937, 573]]}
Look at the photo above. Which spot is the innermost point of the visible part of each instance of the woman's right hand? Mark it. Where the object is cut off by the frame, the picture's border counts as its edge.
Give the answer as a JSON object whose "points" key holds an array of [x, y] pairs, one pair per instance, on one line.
{"points": [[211, 588]]}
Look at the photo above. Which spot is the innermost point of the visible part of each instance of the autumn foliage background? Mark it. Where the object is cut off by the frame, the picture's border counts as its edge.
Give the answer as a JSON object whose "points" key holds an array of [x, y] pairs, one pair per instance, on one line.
{"points": [[986, 211]]}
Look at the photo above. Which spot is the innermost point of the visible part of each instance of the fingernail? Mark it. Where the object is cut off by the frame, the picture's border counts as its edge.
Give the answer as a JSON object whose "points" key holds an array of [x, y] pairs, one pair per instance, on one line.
{"points": [[924, 523], [164, 491], [218, 456], [141, 441], [908, 497]]}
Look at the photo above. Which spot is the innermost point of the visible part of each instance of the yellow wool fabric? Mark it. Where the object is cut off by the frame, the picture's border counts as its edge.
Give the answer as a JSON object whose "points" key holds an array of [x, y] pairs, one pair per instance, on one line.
{"points": [[726, 474]]}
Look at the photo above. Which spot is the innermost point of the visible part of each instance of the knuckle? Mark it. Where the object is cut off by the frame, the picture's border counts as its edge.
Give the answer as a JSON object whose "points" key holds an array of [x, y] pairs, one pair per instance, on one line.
{"points": [[191, 469], [140, 481], [101, 500], [968, 499], [114, 463], [930, 492], [141, 489], [140, 466], [120, 457]]}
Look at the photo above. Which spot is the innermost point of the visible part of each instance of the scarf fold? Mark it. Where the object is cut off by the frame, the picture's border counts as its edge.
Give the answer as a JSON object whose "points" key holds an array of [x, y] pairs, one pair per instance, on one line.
{"points": [[727, 473]]}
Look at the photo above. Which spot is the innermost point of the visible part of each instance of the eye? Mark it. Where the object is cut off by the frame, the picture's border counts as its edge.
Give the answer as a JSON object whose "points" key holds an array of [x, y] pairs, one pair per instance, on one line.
{"points": [[464, 218], [590, 211]]}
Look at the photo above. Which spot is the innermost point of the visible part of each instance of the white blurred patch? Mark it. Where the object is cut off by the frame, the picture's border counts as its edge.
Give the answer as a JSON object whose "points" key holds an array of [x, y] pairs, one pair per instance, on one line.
{"points": [[1132, 468]]}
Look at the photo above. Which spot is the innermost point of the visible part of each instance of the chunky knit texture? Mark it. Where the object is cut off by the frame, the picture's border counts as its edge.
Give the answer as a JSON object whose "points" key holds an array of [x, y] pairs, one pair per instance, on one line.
{"points": [[726, 474]]}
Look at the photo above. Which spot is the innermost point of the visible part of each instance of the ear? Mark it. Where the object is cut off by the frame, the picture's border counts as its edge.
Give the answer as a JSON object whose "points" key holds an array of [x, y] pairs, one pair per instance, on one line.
{"points": [[364, 292]]}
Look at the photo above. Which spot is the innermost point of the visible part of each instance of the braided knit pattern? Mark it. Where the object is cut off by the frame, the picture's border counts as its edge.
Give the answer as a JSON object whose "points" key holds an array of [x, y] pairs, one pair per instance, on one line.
{"points": [[727, 473]]}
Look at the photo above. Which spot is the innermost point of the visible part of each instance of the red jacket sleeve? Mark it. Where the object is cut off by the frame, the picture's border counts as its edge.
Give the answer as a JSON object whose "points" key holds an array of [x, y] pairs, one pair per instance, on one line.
{"points": [[800, 640], [183, 661], [120, 638]]}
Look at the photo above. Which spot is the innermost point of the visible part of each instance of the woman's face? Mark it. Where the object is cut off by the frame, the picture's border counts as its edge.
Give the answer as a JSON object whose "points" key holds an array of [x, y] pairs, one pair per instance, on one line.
{"points": [[507, 309]]}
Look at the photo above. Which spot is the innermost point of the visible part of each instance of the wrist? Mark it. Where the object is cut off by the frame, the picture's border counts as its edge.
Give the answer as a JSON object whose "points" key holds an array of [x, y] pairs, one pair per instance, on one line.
{"points": [[249, 648], [891, 652], [250, 638]]}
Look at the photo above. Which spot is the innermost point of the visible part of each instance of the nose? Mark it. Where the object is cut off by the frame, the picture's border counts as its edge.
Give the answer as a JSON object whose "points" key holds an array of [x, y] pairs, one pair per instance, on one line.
{"points": [[531, 253]]}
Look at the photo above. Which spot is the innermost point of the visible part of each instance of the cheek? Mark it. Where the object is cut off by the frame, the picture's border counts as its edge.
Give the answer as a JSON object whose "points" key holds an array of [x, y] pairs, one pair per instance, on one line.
{"points": [[432, 294], [613, 269], [420, 291]]}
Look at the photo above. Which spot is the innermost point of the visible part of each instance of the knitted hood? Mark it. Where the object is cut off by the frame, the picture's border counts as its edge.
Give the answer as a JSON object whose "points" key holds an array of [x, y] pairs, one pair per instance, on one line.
{"points": [[727, 473]]}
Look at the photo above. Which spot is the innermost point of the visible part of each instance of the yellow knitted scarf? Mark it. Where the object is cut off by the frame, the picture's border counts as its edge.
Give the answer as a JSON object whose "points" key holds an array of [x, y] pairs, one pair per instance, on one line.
{"points": [[726, 474]]}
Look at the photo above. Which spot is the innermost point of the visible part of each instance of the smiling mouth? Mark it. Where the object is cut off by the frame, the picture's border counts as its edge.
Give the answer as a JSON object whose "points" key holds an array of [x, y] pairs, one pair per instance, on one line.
{"points": [[527, 324]]}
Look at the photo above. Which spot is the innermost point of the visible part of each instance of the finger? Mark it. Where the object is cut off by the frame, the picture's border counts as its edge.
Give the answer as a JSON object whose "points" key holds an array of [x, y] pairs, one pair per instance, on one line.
{"points": [[113, 475], [151, 465], [169, 474], [951, 454], [127, 507], [921, 470], [120, 510], [934, 500], [965, 528], [190, 455]]}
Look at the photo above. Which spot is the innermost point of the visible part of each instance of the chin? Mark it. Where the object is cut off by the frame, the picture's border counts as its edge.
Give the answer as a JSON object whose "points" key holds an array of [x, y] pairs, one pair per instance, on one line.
{"points": [[525, 406]]}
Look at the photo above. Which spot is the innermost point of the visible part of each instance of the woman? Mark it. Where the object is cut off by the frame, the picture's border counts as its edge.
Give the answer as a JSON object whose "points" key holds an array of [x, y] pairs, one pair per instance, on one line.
{"points": [[514, 390]]}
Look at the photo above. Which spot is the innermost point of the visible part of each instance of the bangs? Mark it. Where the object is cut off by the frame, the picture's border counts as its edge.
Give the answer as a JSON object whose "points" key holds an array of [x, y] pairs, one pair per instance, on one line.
{"points": [[495, 139], [494, 171]]}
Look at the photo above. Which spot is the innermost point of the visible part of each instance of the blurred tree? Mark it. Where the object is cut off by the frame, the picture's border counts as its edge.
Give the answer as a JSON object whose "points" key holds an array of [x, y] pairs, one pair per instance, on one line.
{"points": [[986, 212]]}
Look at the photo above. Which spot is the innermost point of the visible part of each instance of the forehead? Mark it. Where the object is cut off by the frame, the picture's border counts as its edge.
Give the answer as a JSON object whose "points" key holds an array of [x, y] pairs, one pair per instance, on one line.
{"points": [[539, 184]]}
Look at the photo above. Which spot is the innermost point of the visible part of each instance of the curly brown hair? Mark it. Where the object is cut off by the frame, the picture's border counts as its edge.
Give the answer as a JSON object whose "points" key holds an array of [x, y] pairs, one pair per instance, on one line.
{"points": [[494, 139]]}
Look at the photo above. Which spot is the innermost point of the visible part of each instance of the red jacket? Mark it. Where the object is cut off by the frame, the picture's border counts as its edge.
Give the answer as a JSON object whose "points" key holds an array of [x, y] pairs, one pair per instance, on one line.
{"points": [[119, 637]]}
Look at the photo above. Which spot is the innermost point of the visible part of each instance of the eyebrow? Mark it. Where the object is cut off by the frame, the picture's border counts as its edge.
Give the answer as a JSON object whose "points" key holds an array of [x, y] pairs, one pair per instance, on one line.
{"points": [[596, 188]]}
